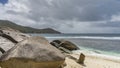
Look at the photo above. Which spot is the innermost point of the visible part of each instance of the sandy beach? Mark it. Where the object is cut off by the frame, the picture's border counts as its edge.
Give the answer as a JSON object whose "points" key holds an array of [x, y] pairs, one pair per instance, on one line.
{"points": [[93, 61]]}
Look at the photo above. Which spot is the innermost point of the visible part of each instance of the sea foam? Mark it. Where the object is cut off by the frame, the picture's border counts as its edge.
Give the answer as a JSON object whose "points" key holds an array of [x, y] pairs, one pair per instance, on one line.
{"points": [[89, 37]]}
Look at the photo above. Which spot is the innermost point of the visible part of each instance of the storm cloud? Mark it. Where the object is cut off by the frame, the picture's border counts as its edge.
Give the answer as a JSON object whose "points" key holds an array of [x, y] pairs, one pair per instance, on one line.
{"points": [[67, 16]]}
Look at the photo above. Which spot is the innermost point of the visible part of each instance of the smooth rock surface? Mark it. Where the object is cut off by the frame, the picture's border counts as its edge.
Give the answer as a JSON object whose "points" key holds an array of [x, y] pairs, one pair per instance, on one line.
{"points": [[10, 37], [6, 44], [13, 35], [1, 54], [64, 43], [34, 52]]}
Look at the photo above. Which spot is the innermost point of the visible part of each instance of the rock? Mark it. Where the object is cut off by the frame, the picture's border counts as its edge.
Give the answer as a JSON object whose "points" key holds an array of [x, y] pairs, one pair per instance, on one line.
{"points": [[69, 45], [9, 29], [64, 50], [1, 54], [34, 52], [66, 44], [9, 37], [81, 59], [64, 64], [2, 50], [55, 44], [13, 35], [6, 44], [57, 41]]}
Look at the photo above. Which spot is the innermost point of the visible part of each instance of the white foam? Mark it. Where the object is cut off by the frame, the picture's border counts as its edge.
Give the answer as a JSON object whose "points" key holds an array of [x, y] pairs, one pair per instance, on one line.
{"points": [[90, 37]]}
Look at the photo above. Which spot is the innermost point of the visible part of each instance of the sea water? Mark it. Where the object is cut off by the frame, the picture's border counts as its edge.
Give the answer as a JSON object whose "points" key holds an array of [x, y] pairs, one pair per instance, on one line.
{"points": [[108, 44]]}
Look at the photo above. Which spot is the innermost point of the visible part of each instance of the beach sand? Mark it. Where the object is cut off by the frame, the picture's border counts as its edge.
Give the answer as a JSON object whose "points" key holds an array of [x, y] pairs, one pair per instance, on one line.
{"points": [[92, 61]]}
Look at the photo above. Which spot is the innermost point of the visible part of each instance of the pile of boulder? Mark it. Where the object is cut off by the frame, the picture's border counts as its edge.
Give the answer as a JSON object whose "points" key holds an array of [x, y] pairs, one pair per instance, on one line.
{"points": [[19, 50]]}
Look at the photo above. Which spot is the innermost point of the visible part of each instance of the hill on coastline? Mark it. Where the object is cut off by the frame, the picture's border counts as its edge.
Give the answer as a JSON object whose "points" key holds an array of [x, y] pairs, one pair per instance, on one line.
{"points": [[24, 29]]}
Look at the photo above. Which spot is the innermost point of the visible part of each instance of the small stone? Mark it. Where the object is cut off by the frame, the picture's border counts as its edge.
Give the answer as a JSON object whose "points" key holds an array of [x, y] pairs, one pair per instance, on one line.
{"points": [[81, 59]]}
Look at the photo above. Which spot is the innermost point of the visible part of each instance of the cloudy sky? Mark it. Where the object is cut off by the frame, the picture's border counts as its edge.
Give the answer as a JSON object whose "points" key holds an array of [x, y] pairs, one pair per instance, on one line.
{"points": [[67, 16]]}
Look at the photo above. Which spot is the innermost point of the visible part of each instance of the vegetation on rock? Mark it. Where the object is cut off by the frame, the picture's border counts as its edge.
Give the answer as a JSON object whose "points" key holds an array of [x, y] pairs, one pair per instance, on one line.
{"points": [[24, 29]]}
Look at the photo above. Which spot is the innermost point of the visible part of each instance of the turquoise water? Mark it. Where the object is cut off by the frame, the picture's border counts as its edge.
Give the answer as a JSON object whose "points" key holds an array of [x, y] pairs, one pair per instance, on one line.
{"points": [[92, 50], [98, 43]]}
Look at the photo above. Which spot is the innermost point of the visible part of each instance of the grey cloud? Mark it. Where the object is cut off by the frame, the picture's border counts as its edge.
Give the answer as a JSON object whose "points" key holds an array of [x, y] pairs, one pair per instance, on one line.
{"points": [[87, 10], [108, 24], [68, 15]]}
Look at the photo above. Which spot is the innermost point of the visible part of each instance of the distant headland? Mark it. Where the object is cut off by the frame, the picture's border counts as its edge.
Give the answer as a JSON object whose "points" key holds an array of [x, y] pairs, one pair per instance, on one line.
{"points": [[25, 29]]}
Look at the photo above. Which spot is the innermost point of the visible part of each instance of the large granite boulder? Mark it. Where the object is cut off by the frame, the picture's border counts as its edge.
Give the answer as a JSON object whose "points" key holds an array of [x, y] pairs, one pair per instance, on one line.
{"points": [[13, 35], [2, 50], [34, 52], [64, 43], [6, 44], [1, 54], [68, 45], [9, 37]]}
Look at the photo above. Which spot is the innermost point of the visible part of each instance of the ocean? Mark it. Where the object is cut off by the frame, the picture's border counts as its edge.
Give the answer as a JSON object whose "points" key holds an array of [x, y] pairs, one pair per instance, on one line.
{"points": [[108, 44]]}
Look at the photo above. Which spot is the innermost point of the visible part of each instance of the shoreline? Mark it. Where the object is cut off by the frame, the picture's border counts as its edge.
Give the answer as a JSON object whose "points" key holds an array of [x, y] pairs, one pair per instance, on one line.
{"points": [[93, 61], [93, 58], [106, 57], [97, 55]]}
